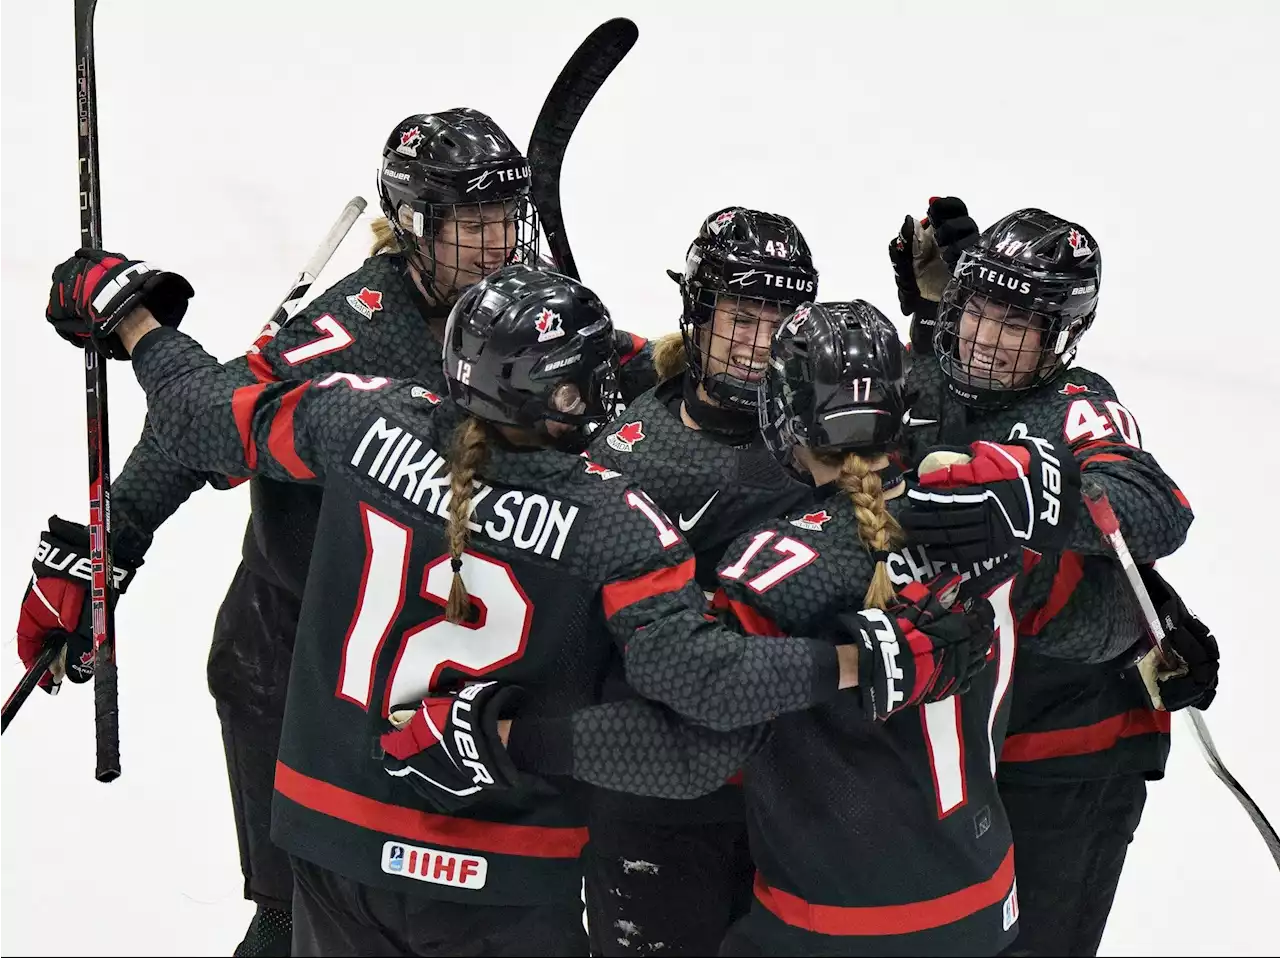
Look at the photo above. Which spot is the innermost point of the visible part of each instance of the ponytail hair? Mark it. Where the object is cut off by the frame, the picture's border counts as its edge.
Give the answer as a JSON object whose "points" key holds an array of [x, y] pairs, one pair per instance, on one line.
{"points": [[669, 357], [384, 238], [467, 455], [878, 530]]}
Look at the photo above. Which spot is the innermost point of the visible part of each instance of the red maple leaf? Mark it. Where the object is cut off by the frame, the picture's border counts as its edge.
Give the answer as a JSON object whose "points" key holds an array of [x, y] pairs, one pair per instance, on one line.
{"points": [[543, 322], [595, 469], [631, 433], [817, 518], [1071, 389], [371, 298], [409, 135]]}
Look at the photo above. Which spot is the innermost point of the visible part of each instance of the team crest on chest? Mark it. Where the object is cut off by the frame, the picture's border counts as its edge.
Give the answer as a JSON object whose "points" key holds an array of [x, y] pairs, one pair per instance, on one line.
{"points": [[813, 521], [366, 302], [625, 439]]}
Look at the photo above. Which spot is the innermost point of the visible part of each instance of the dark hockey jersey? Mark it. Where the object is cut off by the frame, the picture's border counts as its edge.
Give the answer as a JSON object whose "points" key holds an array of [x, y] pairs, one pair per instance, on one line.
{"points": [[564, 553], [713, 491], [1075, 701], [871, 838]]}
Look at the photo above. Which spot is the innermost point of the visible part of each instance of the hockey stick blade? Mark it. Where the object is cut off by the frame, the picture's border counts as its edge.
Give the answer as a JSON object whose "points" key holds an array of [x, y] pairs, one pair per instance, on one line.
{"points": [[571, 94], [319, 259], [1104, 517]]}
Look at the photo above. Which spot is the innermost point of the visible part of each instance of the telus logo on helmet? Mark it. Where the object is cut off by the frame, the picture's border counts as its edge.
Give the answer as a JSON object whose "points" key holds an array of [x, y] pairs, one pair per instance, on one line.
{"points": [[483, 181], [988, 275]]}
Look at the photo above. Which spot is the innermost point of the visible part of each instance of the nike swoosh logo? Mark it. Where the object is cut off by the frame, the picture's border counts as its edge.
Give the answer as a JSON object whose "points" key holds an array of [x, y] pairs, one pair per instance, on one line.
{"points": [[909, 420], [687, 524]]}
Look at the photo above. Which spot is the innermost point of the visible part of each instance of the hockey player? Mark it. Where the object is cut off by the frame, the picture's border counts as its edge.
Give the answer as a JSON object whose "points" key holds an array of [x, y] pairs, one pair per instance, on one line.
{"points": [[875, 826], [455, 193], [451, 546], [1084, 735], [693, 443]]}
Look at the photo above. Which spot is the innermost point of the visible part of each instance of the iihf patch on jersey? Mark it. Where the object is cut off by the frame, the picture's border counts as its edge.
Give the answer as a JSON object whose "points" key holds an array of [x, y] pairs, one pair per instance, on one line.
{"points": [[604, 472], [437, 867], [1071, 389], [814, 521], [366, 302], [548, 325], [625, 439], [421, 392]]}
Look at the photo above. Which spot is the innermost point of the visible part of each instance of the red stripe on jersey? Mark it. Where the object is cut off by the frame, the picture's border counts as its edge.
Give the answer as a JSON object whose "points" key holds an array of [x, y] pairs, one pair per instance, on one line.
{"points": [[1065, 580], [888, 919], [1186, 503], [532, 841], [261, 369], [233, 481], [1103, 457], [280, 440], [637, 344], [618, 595], [1084, 739], [754, 621], [243, 401]]}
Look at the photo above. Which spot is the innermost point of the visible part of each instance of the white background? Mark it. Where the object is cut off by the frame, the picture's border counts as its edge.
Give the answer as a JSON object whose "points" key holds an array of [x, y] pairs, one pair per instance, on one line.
{"points": [[232, 132]]}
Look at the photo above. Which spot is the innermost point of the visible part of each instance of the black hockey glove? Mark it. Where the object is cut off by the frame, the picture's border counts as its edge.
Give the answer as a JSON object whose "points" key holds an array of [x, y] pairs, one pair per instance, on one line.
{"points": [[923, 255], [94, 291], [991, 499], [448, 748], [57, 601], [1194, 680], [924, 648]]}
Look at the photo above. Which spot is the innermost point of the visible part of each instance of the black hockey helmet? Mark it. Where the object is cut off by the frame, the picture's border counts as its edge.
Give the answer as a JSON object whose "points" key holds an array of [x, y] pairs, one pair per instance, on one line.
{"points": [[753, 268], [1031, 271], [457, 167], [527, 345], [836, 382]]}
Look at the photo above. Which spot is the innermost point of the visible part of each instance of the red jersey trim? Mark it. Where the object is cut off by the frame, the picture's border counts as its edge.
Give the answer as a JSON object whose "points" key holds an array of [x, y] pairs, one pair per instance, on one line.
{"points": [[888, 919], [1084, 739], [618, 595], [1070, 571], [280, 439], [532, 841], [243, 401]]}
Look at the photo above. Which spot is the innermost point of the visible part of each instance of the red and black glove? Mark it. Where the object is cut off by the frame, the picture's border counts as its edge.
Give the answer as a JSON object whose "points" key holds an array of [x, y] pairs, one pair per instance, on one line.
{"points": [[448, 748], [1194, 681], [923, 255], [57, 601], [993, 499], [924, 648], [94, 291]]}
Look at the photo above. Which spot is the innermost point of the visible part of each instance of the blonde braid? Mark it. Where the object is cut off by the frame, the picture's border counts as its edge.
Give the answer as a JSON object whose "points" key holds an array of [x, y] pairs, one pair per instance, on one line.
{"points": [[466, 457], [669, 357], [878, 530], [384, 238]]}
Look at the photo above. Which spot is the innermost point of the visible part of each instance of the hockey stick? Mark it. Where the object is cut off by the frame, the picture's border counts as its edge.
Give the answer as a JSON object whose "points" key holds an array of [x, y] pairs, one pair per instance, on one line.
{"points": [[106, 701], [53, 646], [571, 94], [1104, 517], [324, 252]]}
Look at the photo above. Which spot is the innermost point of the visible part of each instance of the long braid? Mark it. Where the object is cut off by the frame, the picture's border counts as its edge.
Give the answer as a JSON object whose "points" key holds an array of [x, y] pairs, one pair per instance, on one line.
{"points": [[384, 239], [669, 357], [876, 527], [467, 456]]}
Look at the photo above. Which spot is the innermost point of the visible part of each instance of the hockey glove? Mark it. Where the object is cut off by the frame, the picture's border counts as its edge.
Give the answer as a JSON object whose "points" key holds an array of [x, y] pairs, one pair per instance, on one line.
{"points": [[1193, 680], [94, 291], [923, 254], [924, 648], [57, 601], [448, 747], [992, 499]]}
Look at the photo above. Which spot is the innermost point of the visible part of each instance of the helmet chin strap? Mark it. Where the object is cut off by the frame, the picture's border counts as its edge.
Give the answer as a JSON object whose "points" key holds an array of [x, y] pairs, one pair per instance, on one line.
{"points": [[731, 424]]}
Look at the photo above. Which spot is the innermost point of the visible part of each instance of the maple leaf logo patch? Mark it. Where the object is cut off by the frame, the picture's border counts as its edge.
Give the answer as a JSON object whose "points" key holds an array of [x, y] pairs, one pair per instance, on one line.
{"points": [[813, 521], [409, 141], [1071, 389], [366, 302], [548, 325], [626, 437], [604, 472]]}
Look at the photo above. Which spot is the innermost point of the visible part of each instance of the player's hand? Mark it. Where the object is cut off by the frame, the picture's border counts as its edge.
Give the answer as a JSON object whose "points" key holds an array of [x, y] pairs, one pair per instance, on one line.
{"points": [[449, 748], [94, 291], [990, 499], [925, 647], [923, 254], [57, 601], [1193, 680]]}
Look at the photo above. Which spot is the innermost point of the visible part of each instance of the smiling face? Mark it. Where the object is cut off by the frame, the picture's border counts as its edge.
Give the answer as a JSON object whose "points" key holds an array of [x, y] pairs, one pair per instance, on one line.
{"points": [[999, 344], [736, 341]]}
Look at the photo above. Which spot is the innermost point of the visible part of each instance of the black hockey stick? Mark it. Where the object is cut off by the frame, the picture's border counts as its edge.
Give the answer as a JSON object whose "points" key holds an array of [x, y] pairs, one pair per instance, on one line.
{"points": [[106, 703], [584, 74], [53, 646], [1104, 517]]}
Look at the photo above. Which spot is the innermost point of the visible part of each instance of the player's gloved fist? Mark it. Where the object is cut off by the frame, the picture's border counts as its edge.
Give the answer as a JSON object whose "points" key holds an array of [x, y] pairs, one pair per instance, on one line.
{"points": [[94, 291], [993, 498], [1194, 678], [57, 601], [925, 647], [448, 748], [923, 254]]}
